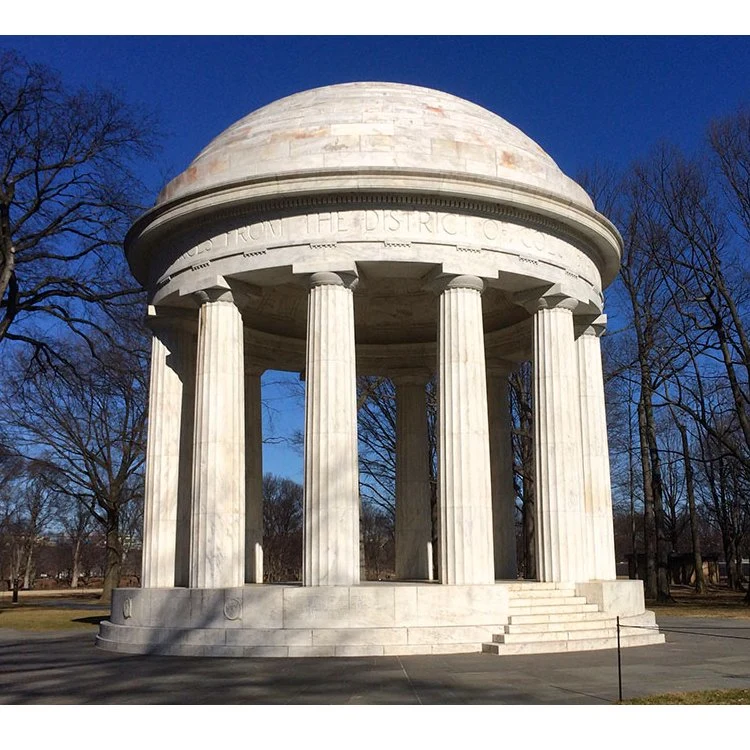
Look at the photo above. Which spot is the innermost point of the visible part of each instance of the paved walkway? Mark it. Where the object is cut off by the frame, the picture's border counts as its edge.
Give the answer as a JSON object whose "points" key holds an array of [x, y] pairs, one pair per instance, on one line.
{"points": [[63, 668]]}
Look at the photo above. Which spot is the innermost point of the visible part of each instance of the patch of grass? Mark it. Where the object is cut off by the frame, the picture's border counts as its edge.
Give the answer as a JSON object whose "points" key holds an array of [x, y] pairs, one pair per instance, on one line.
{"points": [[699, 697], [25, 595], [718, 601], [38, 619], [686, 610]]}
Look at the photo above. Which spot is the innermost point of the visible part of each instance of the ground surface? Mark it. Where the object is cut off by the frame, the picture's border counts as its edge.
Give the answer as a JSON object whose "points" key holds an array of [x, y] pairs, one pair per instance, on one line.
{"points": [[66, 668], [718, 601], [700, 698], [38, 611]]}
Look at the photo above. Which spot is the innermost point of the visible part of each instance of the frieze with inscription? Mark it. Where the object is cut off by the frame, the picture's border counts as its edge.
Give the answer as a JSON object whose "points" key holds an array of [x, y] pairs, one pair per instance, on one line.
{"points": [[393, 227]]}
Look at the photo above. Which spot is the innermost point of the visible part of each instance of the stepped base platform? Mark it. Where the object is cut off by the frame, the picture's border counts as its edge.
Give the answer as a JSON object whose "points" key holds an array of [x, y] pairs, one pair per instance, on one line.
{"points": [[378, 619]]}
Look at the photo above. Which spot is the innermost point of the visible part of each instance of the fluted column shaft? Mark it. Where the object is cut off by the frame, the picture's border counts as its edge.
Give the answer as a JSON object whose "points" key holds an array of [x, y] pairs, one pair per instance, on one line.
{"points": [[413, 513], [597, 490], [253, 477], [465, 496], [167, 484], [331, 500], [217, 552], [557, 447], [501, 460]]}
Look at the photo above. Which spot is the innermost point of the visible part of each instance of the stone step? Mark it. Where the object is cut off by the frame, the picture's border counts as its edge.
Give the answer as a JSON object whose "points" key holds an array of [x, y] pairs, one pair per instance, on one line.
{"points": [[555, 635], [576, 616], [549, 601], [539, 586], [647, 618], [539, 594], [588, 644], [553, 609], [559, 624]]}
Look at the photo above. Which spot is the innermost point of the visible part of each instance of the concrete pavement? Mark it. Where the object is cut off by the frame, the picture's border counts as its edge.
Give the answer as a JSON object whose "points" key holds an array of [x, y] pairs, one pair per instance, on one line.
{"points": [[67, 668]]}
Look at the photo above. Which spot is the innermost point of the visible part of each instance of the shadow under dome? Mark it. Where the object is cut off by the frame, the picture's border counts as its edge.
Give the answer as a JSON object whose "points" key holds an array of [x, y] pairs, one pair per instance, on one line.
{"points": [[386, 311]]}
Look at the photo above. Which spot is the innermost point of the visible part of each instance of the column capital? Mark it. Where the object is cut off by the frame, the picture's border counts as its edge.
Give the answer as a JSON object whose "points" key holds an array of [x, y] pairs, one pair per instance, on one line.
{"points": [[441, 282], [212, 288], [213, 294], [591, 327], [416, 376], [545, 298], [347, 279]]}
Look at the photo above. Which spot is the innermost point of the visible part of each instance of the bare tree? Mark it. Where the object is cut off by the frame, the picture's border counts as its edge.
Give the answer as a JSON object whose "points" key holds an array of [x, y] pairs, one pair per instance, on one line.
{"points": [[376, 432], [644, 343], [77, 523], [92, 422], [68, 192], [523, 463], [708, 284], [700, 582], [282, 529], [35, 509], [378, 542]]}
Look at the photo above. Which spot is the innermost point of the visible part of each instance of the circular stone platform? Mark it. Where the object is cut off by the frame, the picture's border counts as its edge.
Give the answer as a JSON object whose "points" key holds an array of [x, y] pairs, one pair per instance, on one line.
{"points": [[376, 619]]}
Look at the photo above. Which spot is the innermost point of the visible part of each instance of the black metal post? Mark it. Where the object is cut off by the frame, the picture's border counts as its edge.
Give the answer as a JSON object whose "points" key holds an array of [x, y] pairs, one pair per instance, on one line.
{"points": [[619, 660]]}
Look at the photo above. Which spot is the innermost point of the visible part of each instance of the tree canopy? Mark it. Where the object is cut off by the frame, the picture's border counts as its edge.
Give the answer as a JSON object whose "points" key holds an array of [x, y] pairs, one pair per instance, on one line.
{"points": [[69, 188]]}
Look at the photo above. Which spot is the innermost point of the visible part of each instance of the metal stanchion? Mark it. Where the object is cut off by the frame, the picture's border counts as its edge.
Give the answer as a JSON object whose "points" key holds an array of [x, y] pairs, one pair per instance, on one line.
{"points": [[619, 660]]}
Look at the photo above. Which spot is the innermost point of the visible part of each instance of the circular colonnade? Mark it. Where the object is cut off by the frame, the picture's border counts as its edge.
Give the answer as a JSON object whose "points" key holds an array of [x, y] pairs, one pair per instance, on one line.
{"points": [[369, 229]]}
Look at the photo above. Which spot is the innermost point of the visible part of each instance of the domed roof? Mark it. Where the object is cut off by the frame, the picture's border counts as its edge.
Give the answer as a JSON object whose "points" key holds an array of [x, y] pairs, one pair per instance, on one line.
{"points": [[355, 127]]}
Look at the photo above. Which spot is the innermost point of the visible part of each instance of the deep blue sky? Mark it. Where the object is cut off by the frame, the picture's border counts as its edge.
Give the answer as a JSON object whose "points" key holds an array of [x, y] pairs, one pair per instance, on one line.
{"points": [[580, 98], [583, 99]]}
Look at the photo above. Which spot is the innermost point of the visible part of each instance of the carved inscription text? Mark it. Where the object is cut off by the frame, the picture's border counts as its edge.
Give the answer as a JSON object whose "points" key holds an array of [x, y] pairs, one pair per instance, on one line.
{"points": [[370, 224]]}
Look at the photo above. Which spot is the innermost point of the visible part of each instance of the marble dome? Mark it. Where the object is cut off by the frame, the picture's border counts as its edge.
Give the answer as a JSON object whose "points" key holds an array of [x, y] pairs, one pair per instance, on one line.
{"points": [[373, 126]]}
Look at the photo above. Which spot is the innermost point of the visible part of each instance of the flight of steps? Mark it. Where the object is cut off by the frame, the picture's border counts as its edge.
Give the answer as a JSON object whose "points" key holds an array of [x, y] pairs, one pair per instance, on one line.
{"points": [[549, 617]]}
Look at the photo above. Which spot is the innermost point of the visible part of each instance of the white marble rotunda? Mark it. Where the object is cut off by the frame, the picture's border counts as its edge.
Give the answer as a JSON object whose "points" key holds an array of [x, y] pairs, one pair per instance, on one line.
{"points": [[375, 229]]}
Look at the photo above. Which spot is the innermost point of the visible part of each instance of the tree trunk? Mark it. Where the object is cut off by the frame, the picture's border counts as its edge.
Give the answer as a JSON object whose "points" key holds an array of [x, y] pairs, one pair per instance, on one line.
{"points": [[662, 550], [700, 581], [76, 572], [728, 545], [529, 491], [15, 566], [529, 532], [434, 519], [28, 571], [649, 531], [633, 563], [114, 558]]}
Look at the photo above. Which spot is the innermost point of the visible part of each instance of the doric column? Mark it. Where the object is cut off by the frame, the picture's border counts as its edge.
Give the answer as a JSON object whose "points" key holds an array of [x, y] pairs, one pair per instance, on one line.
{"points": [[464, 491], [253, 476], [501, 461], [413, 514], [167, 486], [217, 552], [560, 538], [331, 500], [597, 492]]}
